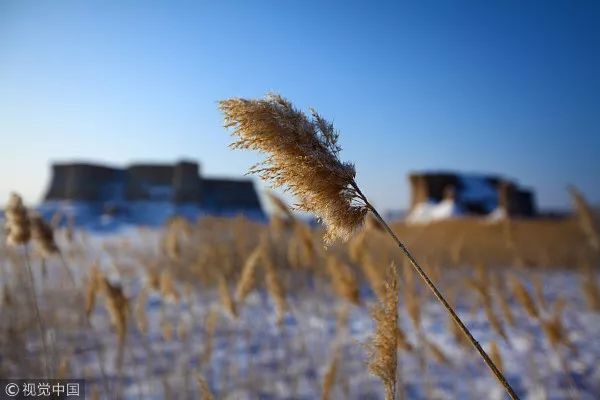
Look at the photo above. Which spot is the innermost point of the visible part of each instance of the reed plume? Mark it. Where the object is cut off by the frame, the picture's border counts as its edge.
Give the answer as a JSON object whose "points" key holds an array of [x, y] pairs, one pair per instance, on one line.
{"points": [[166, 328], [383, 347], [590, 287], [343, 281], [167, 287], [586, 220], [92, 288], [481, 286], [525, 299], [153, 278], [117, 306], [43, 236], [18, 232], [210, 326], [275, 289], [141, 316], [553, 326], [247, 279], [357, 247], [373, 275], [503, 300], [305, 244], [437, 352], [303, 157], [283, 215], [411, 298], [18, 227], [403, 343], [225, 296], [205, 392], [496, 355], [330, 375]]}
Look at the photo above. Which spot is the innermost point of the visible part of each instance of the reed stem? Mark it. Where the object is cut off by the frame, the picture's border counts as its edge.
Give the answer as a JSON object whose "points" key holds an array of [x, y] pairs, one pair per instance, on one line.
{"points": [[441, 298], [38, 315]]}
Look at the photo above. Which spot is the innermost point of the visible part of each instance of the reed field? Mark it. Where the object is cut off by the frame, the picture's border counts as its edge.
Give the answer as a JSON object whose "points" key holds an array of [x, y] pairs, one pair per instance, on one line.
{"points": [[236, 309]]}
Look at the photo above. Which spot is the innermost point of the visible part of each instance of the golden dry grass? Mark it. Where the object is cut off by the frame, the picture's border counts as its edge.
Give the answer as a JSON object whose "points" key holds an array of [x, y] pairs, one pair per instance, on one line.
{"points": [[288, 263]]}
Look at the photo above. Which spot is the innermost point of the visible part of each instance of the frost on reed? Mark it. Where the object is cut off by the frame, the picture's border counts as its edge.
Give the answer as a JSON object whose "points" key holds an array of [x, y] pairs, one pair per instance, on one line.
{"points": [[302, 156], [383, 355]]}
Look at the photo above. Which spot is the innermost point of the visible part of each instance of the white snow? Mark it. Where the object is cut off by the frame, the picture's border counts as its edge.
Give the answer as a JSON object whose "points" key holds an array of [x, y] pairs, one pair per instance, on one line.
{"points": [[254, 358], [427, 212]]}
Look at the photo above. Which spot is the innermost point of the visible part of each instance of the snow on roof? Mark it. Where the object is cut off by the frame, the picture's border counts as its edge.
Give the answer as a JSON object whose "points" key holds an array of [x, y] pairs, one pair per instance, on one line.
{"points": [[430, 211]]}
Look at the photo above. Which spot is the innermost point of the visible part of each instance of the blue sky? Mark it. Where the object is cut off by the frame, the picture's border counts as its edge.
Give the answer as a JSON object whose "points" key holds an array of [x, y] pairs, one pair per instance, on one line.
{"points": [[509, 87]]}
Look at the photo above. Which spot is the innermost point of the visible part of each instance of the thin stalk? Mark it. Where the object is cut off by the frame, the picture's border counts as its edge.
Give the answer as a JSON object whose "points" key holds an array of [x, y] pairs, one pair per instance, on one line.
{"points": [[38, 316], [442, 300], [98, 347]]}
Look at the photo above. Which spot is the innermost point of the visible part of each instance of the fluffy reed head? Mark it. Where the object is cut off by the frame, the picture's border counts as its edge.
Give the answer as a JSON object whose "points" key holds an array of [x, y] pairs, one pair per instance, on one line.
{"points": [[384, 343], [281, 208], [117, 306], [225, 296], [92, 288], [168, 290], [553, 327], [302, 157], [586, 218], [43, 235], [343, 281], [247, 278], [205, 392], [590, 287], [523, 297], [18, 228], [275, 288]]}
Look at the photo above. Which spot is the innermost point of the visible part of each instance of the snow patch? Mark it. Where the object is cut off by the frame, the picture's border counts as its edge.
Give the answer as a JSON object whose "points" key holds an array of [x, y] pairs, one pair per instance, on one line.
{"points": [[427, 212]]}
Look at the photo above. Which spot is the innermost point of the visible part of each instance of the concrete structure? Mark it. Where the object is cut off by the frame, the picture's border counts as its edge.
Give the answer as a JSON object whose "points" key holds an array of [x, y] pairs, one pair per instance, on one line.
{"points": [[178, 184], [474, 194]]}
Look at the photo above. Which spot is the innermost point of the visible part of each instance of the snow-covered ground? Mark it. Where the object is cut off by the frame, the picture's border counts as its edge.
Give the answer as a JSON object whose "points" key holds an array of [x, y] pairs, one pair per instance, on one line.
{"points": [[254, 358]]}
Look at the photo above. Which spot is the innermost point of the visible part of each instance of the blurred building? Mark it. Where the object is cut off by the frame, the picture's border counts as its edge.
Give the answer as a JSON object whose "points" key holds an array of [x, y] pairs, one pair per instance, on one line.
{"points": [[140, 190], [438, 195]]}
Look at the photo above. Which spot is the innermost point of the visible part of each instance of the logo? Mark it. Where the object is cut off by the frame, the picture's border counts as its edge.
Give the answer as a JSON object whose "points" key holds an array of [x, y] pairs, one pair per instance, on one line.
{"points": [[11, 389]]}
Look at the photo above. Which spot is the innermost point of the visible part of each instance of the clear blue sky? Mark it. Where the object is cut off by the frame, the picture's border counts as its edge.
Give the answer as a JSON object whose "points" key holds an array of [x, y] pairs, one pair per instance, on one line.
{"points": [[510, 87]]}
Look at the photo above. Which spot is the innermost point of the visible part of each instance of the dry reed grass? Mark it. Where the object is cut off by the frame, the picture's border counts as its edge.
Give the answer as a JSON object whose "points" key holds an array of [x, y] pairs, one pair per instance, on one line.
{"points": [[383, 346], [302, 157], [330, 376], [343, 280]]}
